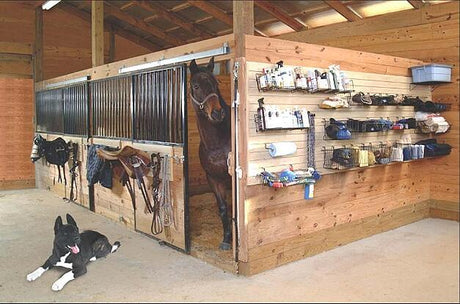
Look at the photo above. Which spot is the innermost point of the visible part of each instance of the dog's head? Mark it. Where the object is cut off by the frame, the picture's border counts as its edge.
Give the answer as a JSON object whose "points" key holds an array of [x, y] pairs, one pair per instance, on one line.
{"points": [[67, 237]]}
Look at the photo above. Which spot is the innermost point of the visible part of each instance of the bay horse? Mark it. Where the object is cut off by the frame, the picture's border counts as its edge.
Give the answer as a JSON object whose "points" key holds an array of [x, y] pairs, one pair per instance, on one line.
{"points": [[213, 121]]}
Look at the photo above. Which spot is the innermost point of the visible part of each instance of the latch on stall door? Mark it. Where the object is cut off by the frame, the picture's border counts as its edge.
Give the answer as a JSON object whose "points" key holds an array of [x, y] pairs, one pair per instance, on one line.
{"points": [[230, 164]]}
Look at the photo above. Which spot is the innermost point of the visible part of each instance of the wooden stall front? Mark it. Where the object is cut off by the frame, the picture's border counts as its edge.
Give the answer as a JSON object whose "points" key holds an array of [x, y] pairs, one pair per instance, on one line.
{"points": [[204, 234]]}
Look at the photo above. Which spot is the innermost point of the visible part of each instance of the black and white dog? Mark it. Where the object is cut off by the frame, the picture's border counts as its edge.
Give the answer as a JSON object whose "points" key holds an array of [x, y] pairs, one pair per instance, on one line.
{"points": [[73, 250]]}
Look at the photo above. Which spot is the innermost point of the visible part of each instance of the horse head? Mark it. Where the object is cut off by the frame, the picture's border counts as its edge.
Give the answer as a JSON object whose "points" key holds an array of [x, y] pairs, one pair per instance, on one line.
{"points": [[204, 92]]}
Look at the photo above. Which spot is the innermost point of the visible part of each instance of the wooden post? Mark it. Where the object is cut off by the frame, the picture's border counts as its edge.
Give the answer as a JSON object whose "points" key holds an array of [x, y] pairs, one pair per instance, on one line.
{"points": [[243, 24], [111, 44], [97, 33], [38, 45]]}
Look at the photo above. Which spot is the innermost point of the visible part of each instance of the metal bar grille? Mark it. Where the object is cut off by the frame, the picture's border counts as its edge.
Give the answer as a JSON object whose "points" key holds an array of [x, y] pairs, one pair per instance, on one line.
{"points": [[49, 111], [76, 109], [111, 107], [158, 98]]}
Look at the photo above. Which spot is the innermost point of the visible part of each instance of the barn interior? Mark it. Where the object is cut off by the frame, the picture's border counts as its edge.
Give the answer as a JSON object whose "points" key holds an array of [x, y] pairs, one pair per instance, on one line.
{"points": [[76, 36]]}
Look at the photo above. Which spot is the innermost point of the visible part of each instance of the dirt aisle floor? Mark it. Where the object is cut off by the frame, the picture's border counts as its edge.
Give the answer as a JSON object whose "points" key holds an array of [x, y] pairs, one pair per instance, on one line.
{"points": [[417, 262]]}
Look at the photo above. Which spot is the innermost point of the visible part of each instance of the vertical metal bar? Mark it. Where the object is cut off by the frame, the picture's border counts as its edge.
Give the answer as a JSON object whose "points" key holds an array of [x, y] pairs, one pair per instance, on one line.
{"points": [[156, 81], [112, 86]]}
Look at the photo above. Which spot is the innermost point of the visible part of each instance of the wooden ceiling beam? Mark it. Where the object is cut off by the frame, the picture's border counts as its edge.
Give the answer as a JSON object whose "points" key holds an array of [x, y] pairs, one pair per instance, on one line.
{"points": [[212, 10], [156, 8], [72, 10], [280, 14], [343, 10], [141, 25], [180, 7], [217, 13], [416, 3], [127, 5]]}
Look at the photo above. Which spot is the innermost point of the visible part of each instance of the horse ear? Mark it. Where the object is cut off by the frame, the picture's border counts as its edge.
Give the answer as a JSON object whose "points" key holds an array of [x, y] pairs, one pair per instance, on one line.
{"points": [[193, 67], [57, 224], [210, 66], [70, 220]]}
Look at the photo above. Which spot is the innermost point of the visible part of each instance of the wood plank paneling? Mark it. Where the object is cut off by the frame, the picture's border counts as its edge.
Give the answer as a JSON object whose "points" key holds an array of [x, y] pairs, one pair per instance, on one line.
{"points": [[430, 34], [279, 223], [16, 129]]}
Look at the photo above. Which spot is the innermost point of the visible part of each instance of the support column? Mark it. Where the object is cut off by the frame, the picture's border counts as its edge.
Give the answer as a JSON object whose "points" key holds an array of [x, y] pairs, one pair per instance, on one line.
{"points": [[243, 23], [111, 44], [97, 33], [38, 45]]}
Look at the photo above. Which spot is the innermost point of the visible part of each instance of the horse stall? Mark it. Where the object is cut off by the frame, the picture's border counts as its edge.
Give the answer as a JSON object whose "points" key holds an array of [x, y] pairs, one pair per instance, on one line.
{"points": [[110, 110], [152, 103]]}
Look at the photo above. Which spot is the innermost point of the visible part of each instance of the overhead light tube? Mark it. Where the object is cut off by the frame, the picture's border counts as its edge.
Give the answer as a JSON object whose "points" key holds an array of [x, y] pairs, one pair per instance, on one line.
{"points": [[49, 4]]}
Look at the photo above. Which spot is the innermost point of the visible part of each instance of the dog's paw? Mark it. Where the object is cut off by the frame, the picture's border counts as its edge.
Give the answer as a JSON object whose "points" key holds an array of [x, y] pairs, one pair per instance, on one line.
{"points": [[57, 286], [36, 274]]}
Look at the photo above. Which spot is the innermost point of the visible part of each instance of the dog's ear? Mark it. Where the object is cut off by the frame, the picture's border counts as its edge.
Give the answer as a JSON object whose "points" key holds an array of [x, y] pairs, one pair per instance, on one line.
{"points": [[210, 65], [57, 224], [193, 67], [70, 220]]}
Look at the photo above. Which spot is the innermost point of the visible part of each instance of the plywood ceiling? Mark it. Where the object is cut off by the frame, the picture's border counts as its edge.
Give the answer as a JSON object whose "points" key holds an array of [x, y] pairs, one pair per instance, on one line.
{"points": [[158, 25]]}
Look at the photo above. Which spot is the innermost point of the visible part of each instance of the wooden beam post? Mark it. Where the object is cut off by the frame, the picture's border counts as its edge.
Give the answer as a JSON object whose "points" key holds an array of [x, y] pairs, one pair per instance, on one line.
{"points": [[38, 45], [97, 33], [243, 24], [111, 44]]}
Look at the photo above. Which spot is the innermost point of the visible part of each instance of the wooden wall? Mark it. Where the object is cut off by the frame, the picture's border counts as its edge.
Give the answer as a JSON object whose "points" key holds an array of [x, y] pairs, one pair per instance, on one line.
{"points": [[16, 133], [430, 34], [372, 83], [66, 39], [280, 225]]}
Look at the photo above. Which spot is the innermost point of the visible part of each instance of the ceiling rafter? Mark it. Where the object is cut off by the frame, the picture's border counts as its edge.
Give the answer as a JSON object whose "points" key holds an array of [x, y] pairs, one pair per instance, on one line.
{"points": [[416, 3], [217, 13], [343, 10], [141, 25], [70, 9], [180, 7], [156, 8], [280, 14], [212, 10], [127, 5]]}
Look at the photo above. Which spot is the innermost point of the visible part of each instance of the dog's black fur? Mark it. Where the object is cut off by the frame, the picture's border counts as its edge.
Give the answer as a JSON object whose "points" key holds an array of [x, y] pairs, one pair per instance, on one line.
{"points": [[73, 250]]}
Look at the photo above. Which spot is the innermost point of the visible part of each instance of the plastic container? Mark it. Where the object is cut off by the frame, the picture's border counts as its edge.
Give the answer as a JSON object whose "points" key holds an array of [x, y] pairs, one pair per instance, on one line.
{"points": [[431, 73]]}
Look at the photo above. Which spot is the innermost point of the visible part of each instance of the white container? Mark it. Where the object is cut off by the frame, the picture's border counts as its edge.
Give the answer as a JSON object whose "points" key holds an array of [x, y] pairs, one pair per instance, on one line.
{"points": [[431, 73]]}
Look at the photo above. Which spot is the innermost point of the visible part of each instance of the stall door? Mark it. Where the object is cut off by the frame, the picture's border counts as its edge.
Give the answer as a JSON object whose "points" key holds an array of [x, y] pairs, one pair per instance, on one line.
{"points": [[160, 128]]}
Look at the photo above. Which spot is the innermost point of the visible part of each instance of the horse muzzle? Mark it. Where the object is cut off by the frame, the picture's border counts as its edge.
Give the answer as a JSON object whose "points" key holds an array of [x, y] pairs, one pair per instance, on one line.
{"points": [[217, 115]]}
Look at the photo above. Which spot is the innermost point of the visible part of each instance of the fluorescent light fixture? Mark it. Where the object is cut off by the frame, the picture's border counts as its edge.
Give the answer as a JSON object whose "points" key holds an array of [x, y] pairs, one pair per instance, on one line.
{"points": [[49, 4], [225, 49], [67, 82]]}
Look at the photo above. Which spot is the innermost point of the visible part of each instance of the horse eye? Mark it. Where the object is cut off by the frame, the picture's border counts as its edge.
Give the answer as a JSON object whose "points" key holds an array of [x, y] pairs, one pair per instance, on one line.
{"points": [[196, 86]]}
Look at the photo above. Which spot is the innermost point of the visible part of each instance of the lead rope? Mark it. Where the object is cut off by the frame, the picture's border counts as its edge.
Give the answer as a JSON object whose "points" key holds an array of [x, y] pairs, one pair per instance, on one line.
{"points": [[157, 226], [166, 204], [311, 141]]}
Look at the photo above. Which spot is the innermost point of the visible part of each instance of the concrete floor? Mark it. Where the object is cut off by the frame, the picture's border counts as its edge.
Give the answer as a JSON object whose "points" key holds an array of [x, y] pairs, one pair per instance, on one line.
{"points": [[415, 263]]}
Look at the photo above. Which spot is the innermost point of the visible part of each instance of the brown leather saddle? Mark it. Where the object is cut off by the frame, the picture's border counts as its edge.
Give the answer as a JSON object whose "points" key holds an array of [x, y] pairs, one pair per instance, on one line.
{"points": [[129, 162]]}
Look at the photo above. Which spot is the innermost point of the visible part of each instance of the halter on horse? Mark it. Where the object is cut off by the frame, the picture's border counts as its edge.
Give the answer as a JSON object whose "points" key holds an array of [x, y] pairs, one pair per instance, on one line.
{"points": [[213, 121]]}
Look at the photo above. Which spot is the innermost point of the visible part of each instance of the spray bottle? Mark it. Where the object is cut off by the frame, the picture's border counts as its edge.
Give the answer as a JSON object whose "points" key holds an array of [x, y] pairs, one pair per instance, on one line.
{"points": [[261, 115]]}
